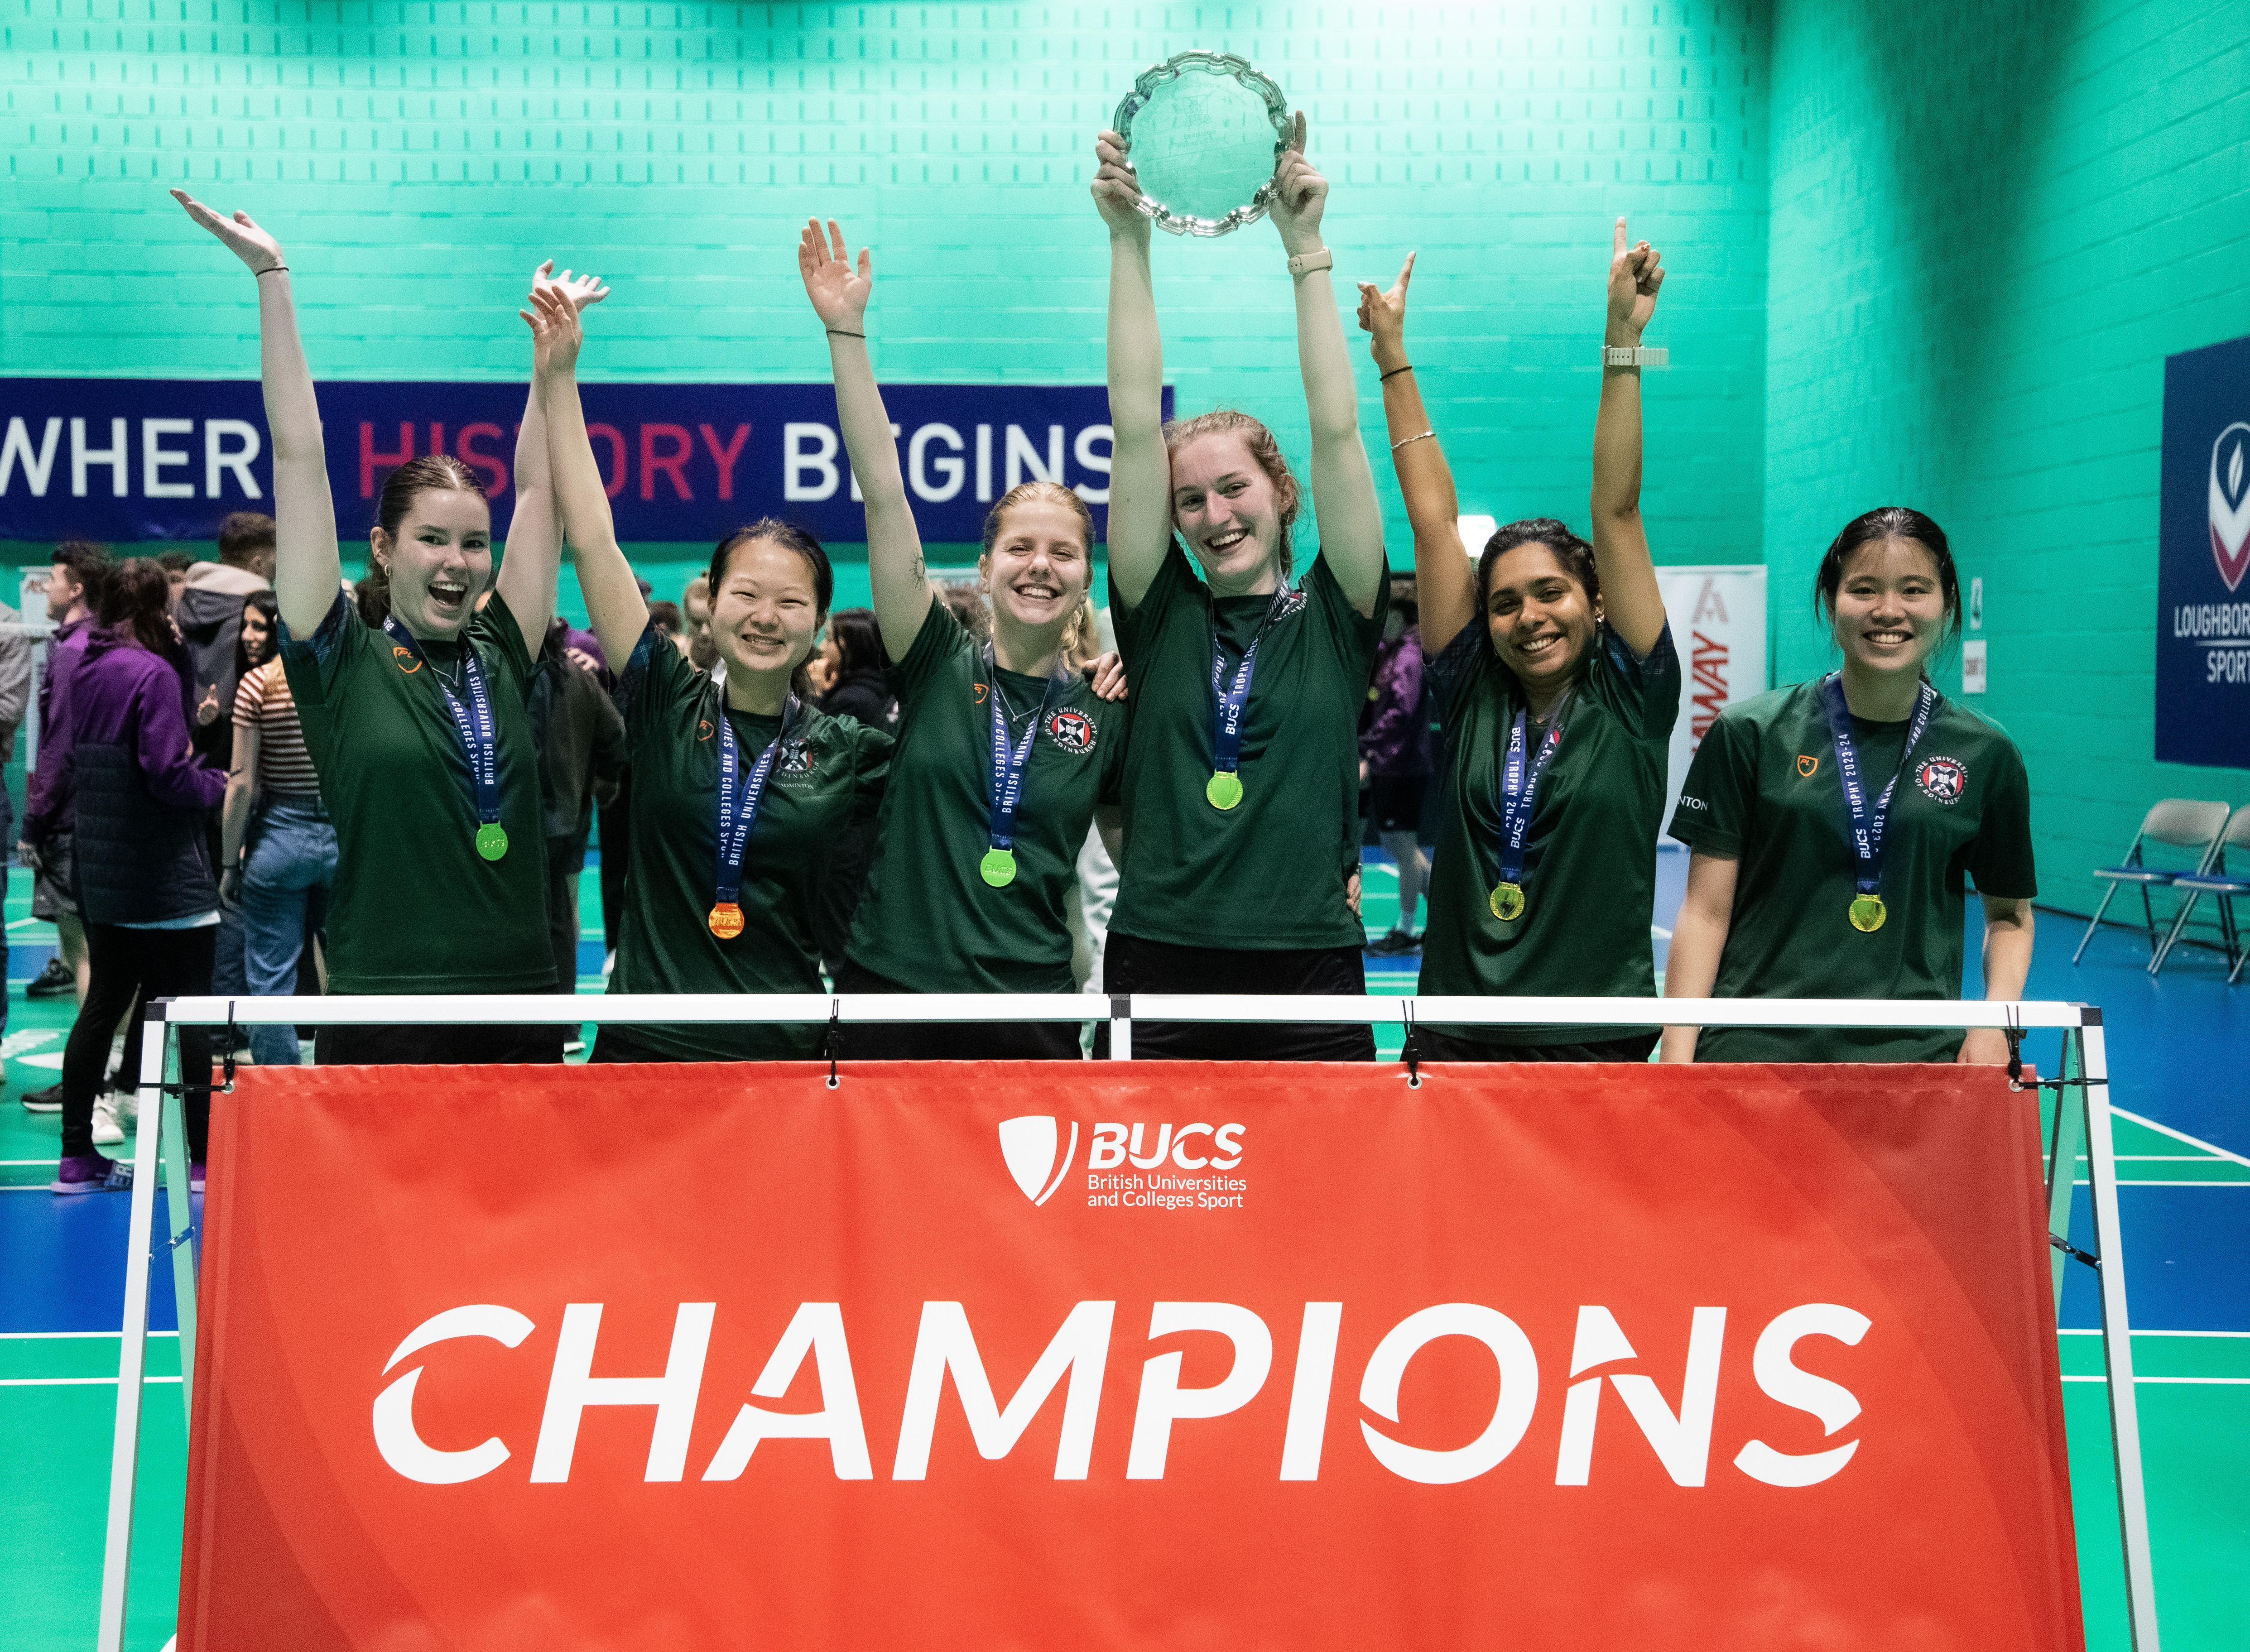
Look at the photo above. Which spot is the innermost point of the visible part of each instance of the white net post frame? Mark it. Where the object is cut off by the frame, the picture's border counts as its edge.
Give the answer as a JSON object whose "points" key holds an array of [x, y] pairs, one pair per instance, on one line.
{"points": [[2083, 1127]]}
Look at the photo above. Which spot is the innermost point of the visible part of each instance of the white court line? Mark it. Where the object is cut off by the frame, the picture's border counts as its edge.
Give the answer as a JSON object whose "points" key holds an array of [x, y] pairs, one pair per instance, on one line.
{"points": [[2090, 1331], [52, 1336], [2186, 1383], [2146, 1182], [2181, 1135], [89, 1382]]}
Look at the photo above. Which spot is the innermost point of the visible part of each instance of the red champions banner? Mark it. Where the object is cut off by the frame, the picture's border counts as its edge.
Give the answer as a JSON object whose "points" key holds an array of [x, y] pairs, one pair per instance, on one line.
{"points": [[1158, 1355]]}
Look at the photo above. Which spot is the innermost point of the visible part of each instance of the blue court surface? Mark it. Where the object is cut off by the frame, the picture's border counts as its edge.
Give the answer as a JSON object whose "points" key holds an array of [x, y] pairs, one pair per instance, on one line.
{"points": [[2180, 1082]]}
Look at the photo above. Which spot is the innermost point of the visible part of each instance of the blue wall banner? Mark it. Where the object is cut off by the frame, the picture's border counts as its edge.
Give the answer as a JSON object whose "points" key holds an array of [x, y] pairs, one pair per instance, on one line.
{"points": [[123, 460], [2203, 569]]}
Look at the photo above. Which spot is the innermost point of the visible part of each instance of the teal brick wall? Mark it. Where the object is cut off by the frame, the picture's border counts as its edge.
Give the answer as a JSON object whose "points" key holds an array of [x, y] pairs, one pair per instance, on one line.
{"points": [[1991, 225]]}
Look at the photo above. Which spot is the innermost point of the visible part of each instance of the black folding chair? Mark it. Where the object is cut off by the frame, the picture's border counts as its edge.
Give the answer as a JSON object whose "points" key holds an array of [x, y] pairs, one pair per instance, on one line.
{"points": [[2216, 882], [2179, 823]]}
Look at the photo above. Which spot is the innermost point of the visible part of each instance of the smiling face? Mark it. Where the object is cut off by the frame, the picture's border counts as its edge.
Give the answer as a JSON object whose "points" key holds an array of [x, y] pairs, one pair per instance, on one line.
{"points": [[767, 611], [1040, 565], [1539, 617], [1890, 607], [438, 562], [1225, 509], [257, 636]]}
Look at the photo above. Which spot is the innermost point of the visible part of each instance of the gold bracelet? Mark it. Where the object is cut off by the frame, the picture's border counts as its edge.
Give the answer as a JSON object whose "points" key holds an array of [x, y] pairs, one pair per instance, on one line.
{"points": [[1419, 435]]}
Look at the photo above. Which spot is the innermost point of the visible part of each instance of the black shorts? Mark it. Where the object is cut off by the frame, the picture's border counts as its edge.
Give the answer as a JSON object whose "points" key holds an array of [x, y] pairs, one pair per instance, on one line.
{"points": [[1437, 1046], [951, 1040], [54, 885], [617, 1043], [401, 1046], [1132, 964], [1395, 802]]}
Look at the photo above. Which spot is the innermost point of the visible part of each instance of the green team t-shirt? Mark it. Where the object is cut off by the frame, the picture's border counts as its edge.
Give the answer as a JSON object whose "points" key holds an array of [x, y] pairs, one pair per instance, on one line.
{"points": [[827, 776], [1268, 874], [1763, 790], [929, 920], [415, 908], [1590, 856]]}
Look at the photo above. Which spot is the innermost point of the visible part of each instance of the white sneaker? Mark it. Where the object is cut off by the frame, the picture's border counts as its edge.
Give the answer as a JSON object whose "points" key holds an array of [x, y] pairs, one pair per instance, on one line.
{"points": [[108, 1132], [126, 1105]]}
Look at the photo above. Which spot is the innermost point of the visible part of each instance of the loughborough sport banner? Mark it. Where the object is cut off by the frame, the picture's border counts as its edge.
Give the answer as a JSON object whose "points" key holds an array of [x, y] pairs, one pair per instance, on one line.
{"points": [[122, 460], [1167, 1356], [2203, 568]]}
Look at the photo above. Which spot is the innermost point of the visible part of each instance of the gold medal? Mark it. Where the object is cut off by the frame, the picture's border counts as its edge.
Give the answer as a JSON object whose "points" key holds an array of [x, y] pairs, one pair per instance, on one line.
{"points": [[1508, 902], [726, 921], [1224, 789], [1868, 913]]}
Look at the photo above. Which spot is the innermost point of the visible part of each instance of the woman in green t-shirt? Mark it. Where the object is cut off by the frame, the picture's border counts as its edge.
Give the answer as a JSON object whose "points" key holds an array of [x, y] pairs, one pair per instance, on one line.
{"points": [[1835, 825], [742, 787], [1003, 753], [1241, 790], [1556, 686], [416, 727]]}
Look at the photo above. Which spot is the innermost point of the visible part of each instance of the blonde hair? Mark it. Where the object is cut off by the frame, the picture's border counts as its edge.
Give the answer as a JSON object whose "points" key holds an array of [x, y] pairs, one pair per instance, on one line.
{"points": [[1224, 421], [1081, 638], [1029, 492]]}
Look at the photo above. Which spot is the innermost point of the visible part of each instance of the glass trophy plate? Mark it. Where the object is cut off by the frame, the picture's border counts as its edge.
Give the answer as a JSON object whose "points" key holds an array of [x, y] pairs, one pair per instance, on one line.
{"points": [[1203, 131]]}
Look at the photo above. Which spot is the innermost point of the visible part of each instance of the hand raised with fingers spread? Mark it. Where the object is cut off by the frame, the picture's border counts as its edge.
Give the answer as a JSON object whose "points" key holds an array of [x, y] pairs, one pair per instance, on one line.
{"points": [[838, 292], [1299, 196], [1635, 275], [243, 237], [556, 332], [1383, 316], [583, 291], [1116, 187]]}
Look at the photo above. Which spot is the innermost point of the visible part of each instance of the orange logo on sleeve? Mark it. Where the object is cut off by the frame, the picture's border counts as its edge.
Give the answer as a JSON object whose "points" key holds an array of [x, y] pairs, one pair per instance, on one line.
{"points": [[405, 658], [1806, 765]]}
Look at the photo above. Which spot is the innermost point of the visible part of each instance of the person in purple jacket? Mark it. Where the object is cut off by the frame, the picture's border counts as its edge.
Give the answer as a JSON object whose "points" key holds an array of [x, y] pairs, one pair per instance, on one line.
{"points": [[145, 892], [1394, 762]]}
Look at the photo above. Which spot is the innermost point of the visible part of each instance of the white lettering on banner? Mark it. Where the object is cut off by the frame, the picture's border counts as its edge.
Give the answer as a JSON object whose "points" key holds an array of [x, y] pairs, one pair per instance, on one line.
{"points": [[1082, 449], [1717, 616], [17, 448], [394, 1436], [1682, 1442], [156, 458], [573, 1387], [2189, 619], [945, 1343], [1162, 1400], [817, 1329], [1308, 1395], [1781, 1379], [113, 456], [217, 457], [1512, 1407], [2227, 666], [797, 459], [953, 472], [1113, 1145], [1022, 456]]}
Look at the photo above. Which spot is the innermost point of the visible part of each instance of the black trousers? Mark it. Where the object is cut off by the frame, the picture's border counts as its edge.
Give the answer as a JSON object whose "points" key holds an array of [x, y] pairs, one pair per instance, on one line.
{"points": [[390, 1046], [1437, 1046], [129, 964], [616, 835], [952, 1041], [617, 1043], [1132, 964]]}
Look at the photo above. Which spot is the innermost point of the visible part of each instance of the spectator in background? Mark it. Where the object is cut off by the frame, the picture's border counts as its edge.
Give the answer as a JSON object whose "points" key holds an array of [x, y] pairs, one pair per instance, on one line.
{"points": [[15, 697], [1394, 761], [207, 609], [580, 740], [857, 687], [176, 565], [73, 589], [666, 617], [967, 604], [702, 652], [149, 901]]}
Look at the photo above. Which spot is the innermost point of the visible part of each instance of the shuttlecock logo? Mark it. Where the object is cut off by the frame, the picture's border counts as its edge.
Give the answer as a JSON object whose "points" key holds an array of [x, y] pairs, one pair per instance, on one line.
{"points": [[1028, 1145], [2229, 504]]}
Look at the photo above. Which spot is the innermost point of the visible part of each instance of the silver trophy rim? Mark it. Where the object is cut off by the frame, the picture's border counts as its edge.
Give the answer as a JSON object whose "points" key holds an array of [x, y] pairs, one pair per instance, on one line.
{"points": [[1221, 62]]}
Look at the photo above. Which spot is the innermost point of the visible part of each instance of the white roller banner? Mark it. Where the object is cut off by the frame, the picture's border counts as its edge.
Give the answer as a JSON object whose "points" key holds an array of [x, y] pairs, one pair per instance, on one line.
{"points": [[1718, 624]]}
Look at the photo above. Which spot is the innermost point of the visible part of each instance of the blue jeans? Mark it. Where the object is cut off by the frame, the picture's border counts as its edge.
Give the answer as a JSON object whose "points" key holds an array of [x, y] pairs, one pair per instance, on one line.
{"points": [[293, 865]]}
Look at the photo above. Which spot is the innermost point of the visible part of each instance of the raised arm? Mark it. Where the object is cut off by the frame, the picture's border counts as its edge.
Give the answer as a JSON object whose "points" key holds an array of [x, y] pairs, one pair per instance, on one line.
{"points": [[895, 567], [1445, 571], [533, 550], [1140, 470], [306, 571], [1631, 600], [613, 598], [1344, 486]]}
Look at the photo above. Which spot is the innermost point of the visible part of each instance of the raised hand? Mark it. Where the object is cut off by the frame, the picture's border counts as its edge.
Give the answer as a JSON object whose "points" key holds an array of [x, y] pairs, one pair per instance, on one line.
{"points": [[1299, 193], [1116, 187], [583, 291], [243, 237], [1635, 275], [556, 332], [838, 292], [1383, 316]]}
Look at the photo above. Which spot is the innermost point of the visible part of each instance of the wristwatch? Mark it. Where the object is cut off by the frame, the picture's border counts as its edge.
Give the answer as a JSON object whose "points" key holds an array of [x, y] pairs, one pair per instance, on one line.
{"points": [[1635, 355], [1306, 263]]}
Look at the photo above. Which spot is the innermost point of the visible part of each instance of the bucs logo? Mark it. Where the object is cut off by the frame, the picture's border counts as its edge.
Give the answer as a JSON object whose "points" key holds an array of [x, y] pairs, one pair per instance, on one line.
{"points": [[794, 758], [1940, 779], [405, 658], [1807, 766], [2230, 503], [1072, 730], [977, 690], [703, 730]]}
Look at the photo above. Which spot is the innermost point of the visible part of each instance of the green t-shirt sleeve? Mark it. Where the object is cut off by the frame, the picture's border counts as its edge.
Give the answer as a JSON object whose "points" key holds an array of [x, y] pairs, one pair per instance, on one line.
{"points": [[1999, 860], [312, 664], [871, 765], [1643, 691], [1719, 799], [498, 642], [942, 638], [656, 681], [1357, 635], [1454, 674], [1136, 625]]}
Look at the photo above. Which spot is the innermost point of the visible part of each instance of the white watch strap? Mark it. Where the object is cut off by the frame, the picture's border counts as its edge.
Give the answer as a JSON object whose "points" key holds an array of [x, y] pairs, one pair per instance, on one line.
{"points": [[1635, 355], [1306, 263]]}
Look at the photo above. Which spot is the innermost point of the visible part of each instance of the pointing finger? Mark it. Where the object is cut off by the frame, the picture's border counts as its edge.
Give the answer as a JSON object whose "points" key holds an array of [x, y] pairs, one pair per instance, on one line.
{"points": [[1406, 271], [1297, 135], [1616, 240]]}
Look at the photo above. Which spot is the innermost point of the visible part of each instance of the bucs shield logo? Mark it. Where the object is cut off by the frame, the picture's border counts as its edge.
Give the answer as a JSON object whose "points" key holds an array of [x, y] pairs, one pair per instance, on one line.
{"points": [[1940, 779], [1072, 730], [2230, 503], [1806, 766]]}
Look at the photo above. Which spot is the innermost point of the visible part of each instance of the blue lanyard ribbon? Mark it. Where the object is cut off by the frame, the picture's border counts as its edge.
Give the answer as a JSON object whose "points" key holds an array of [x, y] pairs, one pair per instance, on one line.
{"points": [[1867, 823], [474, 722], [1010, 758], [739, 795], [1518, 789], [1231, 700]]}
